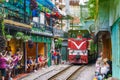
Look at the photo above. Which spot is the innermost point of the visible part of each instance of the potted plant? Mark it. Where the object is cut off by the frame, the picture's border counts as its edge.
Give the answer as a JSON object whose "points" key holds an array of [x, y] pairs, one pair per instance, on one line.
{"points": [[58, 43], [8, 37], [19, 35], [26, 38]]}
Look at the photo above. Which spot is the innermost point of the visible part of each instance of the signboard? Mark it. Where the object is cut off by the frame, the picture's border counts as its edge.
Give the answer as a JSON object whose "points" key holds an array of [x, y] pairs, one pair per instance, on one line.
{"points": [[42, 18], [76, 52], [76, 44]]}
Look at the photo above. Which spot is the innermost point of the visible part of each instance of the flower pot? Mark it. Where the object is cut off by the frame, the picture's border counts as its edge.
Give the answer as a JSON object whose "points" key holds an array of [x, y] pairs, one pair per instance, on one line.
{"points": [[18, 38], [8, 39], [25, 40]]}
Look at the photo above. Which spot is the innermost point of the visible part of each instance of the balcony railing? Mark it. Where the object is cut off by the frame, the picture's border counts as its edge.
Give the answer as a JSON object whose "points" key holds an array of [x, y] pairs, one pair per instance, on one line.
{"points": [[13, 13], [58, 33], [42, 29]]}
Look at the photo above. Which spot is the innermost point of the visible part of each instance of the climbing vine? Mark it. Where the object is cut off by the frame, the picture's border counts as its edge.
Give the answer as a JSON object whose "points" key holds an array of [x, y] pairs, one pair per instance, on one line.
{"points": [[2, 26]]}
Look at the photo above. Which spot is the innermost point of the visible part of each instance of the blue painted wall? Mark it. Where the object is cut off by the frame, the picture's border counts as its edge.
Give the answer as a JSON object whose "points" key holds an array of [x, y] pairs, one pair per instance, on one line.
{"points": [[116, 49]]}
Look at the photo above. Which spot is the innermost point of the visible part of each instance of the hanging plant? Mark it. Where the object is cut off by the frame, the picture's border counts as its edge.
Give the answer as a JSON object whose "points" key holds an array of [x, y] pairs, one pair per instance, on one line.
{"points": [[26, 38], [2, 27], [58, 43], [92, 8], [8, 37], [19, 35]]}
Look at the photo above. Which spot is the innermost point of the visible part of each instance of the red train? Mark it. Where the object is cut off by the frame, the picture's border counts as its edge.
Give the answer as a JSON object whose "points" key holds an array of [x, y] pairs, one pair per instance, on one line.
{"points": [[81, 50]]}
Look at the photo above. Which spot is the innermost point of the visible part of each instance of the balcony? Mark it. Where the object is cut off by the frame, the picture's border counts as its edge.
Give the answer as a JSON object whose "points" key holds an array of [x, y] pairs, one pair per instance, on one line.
{"points": [[42, 29], [56, 2], [58, 32], [15, 14], [62, 4]]}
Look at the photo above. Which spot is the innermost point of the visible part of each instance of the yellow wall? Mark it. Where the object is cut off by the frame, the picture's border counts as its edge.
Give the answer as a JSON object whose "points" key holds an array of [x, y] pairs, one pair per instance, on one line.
{"points": [[14, 44], [41, 48], [32, 51]]}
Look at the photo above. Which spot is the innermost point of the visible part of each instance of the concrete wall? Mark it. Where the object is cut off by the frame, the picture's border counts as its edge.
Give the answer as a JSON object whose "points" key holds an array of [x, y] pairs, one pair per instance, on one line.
{"points": [[114, 21], [114, 11], [103, 15], [116, 49]]}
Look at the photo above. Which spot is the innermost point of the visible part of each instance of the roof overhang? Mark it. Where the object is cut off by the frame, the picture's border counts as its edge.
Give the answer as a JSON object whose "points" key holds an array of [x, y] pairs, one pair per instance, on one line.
{"points": [[14, 23]]}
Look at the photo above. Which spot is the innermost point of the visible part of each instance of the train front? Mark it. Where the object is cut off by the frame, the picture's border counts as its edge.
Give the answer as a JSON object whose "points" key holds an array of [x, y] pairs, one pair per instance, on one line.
{"points": [[78, 53]]}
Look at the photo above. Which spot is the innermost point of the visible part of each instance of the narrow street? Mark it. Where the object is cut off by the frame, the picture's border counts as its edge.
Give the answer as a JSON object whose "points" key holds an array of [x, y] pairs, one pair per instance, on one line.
{"points": [[45, 74], [59, 39]]}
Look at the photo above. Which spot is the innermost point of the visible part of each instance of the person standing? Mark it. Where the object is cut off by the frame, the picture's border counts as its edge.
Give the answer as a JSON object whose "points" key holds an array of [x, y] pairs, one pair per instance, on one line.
{"points": [[3, 66], [55, 57], [58, 57], [52, 56]]}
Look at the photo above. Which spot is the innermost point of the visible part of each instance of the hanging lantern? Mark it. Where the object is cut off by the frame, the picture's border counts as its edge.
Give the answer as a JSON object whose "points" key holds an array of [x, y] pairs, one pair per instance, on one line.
{"points": [[30, 44], [57, 14]]}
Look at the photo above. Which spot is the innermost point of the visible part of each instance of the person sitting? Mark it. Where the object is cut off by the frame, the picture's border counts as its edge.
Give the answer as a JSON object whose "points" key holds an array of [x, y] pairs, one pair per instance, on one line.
{"points": [[35, 64], [110, 71], [29, 64], [104, 69], [45, 59], [42, 61], [97, 67]]}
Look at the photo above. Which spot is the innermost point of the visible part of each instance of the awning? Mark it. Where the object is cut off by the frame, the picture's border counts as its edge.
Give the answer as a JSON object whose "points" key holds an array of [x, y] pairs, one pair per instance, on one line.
{"points": [[10, 22], [46, 3]]}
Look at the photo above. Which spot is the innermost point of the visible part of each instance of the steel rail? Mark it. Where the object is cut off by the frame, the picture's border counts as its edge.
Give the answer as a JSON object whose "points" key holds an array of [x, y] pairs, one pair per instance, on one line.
{"points": [[63, 71], [51, 78], [75, 73]]}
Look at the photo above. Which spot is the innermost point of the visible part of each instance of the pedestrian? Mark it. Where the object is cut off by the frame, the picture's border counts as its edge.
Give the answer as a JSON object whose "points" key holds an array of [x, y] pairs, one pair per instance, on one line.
{"points": [[55, 57], [3, 65], [58, 56], [52, 56], [9, 64]]}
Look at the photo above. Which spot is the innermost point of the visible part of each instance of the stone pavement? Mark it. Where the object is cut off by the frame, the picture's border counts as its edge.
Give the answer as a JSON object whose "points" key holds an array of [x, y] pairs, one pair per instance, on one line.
{"points": [[40, 72]]}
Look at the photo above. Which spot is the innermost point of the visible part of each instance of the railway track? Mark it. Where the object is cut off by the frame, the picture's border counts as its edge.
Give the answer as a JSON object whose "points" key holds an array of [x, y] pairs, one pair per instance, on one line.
{"points": [[67, 74]]}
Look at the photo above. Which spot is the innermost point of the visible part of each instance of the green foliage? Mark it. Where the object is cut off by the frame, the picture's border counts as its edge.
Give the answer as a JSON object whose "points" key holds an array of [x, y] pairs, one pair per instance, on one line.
{"points": [[93, 46], [92, 8], [2, 26], [19, 34], [8, 36], [26, 38], [58, 43]]}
